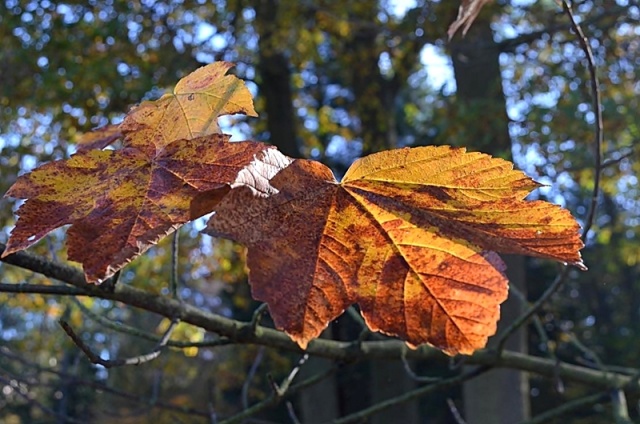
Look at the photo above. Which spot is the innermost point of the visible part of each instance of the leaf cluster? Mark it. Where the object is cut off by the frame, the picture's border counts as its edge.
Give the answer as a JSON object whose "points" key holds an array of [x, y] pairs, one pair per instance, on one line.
{"points": [[410, 235]]}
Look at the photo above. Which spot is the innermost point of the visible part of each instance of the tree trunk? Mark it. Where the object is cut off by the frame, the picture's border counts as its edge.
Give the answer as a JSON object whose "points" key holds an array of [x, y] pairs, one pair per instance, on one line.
{"points": [[499, 396], [275, 82]]}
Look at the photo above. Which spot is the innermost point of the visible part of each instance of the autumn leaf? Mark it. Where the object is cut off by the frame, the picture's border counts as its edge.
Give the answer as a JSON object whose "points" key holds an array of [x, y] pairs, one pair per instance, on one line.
{"points": [[99, 138], [121, 202], [191, 110], [173, 168], [467, 13], [409, 235]]}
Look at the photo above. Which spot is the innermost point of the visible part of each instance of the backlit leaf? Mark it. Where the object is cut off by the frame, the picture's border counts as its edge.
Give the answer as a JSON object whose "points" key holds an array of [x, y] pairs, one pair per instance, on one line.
{"points": [[121, 202], [173, 168], [191, 110], [409, 235]]}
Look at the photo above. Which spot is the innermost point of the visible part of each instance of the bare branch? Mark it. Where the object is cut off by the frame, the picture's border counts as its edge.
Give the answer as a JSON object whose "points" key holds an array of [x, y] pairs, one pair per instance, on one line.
{"points": [[57, 290], [457, 416], [32, 401], [250, 375], [597, 109], [73, 379], [565, 408], [111, 363], [175, 248], [413, 394], [412, 374], [135, 332], [240, 332], [274, 399], [620, 409]]}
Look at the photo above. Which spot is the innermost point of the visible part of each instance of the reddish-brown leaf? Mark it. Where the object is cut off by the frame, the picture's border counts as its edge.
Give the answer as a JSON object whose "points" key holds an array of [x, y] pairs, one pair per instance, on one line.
{"points": [[121, 202], [408, 235], [99, 138]]}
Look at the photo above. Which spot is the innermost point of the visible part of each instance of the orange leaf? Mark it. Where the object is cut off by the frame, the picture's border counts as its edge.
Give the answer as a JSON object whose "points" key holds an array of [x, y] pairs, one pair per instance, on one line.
{"points": [[173, 168], [191, 110], [121, 202], [409, 235]]}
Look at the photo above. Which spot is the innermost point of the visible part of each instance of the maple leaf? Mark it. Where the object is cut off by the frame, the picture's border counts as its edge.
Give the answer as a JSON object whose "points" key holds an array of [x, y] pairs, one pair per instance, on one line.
{"points": [[191, 110], [174, 167], [409, 235], [99, 138], [121, 202], [467, 13]]}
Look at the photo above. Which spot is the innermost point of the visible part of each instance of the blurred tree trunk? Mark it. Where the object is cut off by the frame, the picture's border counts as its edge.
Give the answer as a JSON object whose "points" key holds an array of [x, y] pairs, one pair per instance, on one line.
{"points": [[318, 403], [499, 396], [275, 82]]}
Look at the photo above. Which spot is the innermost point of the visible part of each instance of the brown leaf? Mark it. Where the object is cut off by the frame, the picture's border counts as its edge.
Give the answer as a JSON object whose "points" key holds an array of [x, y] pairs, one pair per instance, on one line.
{"points": [[467, 13], [173, 168], [99, 138], [409, 235], [121, 202], [191, 110]]}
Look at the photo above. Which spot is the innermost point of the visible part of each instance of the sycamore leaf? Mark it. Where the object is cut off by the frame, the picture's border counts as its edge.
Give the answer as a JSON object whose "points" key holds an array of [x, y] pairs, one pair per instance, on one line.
{"points": [[99, 138], [409, 235], [121, 202], [467, 13], [173, 168], [191, 110]]}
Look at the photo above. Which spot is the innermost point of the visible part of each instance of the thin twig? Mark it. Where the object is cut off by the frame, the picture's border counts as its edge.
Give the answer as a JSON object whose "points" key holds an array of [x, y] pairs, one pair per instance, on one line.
{"points": [[292, 413], [76, 381], [599, 137], [597, 110], [274, 399], [36, 403], [412, 374], [175, 247], [213, 417], [123, 328], [413, 394], [457, 416], [250, 375], [111, 363], [284, 386], [257, 316], [619, 407], [565, 408], [522, 319]]}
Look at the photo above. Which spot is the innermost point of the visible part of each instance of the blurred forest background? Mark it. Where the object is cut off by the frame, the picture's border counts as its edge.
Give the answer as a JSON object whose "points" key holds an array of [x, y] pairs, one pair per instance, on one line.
{"points": [[332, 80]]}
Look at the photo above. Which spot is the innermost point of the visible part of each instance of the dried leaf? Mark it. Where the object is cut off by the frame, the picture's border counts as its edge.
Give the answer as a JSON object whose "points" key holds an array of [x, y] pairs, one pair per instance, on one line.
{"points": [[173, 168], [99, 138], [191, 110], [408, 235], [467, 13], [121, 202]]}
